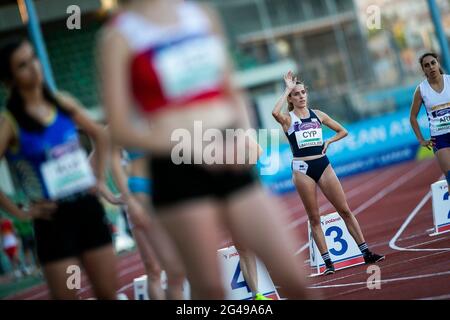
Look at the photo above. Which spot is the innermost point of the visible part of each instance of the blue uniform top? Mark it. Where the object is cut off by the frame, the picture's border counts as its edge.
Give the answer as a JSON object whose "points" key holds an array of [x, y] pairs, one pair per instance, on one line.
{"points": [[136, 184], [134, 155], [35, 148]]}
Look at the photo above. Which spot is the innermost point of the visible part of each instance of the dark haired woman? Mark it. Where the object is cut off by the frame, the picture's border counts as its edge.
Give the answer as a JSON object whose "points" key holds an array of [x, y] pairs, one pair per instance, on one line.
{"points": [[434, 92], [311, 167], [38, 136]]}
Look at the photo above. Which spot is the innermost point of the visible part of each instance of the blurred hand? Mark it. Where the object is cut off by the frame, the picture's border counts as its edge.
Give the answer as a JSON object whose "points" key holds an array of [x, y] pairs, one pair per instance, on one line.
{"points": [[102, 190], [41, 210], [429, 144], [325, 146], [290, 81], [137, 213]]}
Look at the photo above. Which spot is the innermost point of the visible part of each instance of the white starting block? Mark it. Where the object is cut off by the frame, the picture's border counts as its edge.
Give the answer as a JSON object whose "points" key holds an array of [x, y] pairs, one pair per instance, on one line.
{"points": [[343, 250], [235, 286], [441, 207], [141, 287]]}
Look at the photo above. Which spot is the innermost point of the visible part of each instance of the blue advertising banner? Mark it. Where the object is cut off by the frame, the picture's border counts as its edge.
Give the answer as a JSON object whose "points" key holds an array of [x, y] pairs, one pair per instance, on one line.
{"points": [[370, 144]]}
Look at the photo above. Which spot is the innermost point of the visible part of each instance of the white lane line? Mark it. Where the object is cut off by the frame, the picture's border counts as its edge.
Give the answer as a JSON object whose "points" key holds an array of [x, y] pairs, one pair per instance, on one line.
{"points": [[125, 287], [406, 223], [421, 276], [396, 184], [424, 243], [414, 236], [381, 194], [384, 268], [443, 297], [349, 195], [303, 248]]}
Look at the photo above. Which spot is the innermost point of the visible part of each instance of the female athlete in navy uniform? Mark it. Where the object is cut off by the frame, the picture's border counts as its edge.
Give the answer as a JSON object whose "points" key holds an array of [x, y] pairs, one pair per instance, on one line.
{"points": [[311, 167]]}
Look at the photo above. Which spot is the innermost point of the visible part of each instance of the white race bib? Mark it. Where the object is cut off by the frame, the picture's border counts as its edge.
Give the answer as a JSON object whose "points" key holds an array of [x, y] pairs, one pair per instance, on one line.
{"points": [[190, 67], [9, 240], [67, 174], [309, 137], [300, 166], [440, 121]]}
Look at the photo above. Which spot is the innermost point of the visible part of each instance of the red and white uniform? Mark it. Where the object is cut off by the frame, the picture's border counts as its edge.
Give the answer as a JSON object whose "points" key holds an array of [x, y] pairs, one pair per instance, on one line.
{"points": [[175, 65], [9, 240]]}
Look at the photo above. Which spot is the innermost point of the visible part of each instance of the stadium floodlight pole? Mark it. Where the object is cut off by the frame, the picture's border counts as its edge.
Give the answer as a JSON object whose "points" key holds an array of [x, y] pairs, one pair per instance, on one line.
{"points": [[436, 17], [36, 37]]}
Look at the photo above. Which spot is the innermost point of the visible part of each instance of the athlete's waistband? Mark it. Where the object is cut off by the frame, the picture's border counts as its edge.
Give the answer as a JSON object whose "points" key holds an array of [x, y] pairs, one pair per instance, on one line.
{"points": [[303, 158], [139, 185]]}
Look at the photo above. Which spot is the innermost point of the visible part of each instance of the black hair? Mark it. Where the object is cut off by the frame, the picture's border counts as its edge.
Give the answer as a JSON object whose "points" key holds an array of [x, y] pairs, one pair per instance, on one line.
{"points": [[434, 55], [15, 103]]}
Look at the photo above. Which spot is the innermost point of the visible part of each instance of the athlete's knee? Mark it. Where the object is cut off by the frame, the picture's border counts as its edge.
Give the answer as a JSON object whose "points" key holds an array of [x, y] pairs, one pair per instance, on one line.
{"points": [[106, 291], [314, 221], [345, 213], [154, 275], [447, 177], [153, 270], [210, 290], [175, 278], [242, 251], [175, 272]]}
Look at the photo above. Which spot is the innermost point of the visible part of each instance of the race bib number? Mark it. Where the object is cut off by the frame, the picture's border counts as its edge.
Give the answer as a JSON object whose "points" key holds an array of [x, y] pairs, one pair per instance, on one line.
{"points": [[300, 166], [309, 134], [67, 173], [441, 120], [190, 67]]}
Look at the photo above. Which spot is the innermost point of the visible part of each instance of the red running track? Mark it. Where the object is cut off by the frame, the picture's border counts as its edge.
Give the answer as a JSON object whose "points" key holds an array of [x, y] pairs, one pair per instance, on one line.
{"points": [[417, 266]]}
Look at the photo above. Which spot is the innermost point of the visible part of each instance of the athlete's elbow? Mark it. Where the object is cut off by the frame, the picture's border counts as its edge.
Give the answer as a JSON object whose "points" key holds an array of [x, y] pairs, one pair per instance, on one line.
{"points": [[100, 136], [344, 133], [117, 136], [275, 114], [412, 119]]}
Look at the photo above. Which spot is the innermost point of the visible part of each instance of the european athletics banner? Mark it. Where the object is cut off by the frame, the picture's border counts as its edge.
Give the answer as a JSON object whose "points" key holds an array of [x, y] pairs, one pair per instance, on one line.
{"points": [[370, 144]]}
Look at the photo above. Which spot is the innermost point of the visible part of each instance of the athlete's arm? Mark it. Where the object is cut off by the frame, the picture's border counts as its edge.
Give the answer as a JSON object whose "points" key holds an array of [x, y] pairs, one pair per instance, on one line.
{"points": [[277, 113], [341, 132], [113, 61], [415, 108], [40, 210], [237, 96], [280, 117], [92, 129], [6, 138], [135, 209], [100, 142], [118, 172]]}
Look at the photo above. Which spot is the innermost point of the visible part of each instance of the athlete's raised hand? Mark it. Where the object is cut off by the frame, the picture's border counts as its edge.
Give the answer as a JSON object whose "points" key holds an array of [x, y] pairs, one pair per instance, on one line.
{"points": [[290, 80]]}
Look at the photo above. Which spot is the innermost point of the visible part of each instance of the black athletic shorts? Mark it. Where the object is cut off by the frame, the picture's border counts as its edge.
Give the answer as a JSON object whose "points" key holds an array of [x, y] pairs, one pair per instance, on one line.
{"points": [[77, 226], [312, 168], [173, 183]]}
